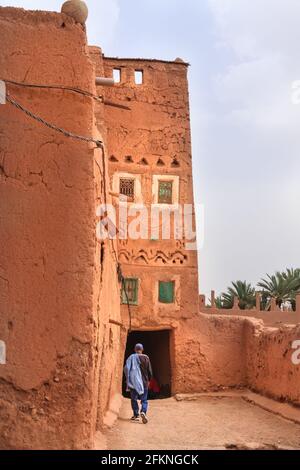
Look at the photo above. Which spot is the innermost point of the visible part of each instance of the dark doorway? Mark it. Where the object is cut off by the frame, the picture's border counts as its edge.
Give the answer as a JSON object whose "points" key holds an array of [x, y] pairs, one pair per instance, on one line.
{"points": [[157, 347]]}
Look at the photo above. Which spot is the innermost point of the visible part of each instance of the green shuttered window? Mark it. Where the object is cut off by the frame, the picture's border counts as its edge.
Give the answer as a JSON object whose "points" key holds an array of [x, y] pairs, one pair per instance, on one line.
{"points": [[166, 292], [131, 285]]}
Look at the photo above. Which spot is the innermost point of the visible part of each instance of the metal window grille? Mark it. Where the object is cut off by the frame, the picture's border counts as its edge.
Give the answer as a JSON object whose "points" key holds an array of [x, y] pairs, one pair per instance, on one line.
{"points": [[127, 188], [166, 292], [165, 189], [131, 286]]}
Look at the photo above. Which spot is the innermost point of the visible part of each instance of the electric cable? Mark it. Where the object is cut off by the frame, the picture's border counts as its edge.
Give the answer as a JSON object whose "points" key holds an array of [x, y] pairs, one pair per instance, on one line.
{"points": [[72, 135], [12, 101], [55, 87], [68, 88]]}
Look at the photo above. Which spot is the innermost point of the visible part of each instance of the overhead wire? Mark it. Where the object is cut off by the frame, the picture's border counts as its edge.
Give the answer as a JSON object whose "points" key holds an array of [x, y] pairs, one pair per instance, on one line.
{"points": [[54, 87], [34, 116], [67, 88]]}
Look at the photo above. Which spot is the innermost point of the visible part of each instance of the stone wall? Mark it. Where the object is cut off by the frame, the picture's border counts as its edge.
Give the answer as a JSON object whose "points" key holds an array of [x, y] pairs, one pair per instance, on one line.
{"points": [[58, 285]]}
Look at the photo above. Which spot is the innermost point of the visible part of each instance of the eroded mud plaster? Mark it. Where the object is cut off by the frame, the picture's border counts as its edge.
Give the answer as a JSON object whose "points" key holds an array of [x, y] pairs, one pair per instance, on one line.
{"points": [[54, 298]]}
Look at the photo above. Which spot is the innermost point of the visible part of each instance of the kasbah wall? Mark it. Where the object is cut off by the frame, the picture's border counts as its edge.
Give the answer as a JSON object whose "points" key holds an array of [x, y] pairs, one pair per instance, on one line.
{"points": [[60, 313], [58, 289]]}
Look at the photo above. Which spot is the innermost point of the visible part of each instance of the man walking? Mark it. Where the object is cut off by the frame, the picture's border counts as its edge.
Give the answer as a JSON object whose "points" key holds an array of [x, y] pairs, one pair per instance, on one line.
{"points": [[138, 372]]}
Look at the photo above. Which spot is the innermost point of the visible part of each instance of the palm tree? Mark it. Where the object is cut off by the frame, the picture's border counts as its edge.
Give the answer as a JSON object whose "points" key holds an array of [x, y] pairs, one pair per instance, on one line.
{"points": [[218, 302], [243, 291], [283, 286]]}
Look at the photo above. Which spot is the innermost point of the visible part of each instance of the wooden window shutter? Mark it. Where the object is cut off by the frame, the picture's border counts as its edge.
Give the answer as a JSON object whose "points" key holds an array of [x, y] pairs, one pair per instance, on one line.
{"points": [[166, 292]]}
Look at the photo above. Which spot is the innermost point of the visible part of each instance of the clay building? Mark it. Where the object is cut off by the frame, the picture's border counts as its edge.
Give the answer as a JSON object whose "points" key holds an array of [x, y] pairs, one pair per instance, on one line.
{"points": [[59, 289]]}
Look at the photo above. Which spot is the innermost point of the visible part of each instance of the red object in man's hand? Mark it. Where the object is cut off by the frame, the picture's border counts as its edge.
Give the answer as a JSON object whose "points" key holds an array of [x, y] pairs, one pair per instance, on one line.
{"points": [[153, 386]]}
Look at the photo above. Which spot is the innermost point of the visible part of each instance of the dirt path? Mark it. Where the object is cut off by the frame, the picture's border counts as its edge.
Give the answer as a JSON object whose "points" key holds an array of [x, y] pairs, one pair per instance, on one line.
{"points": [[208, 423]]}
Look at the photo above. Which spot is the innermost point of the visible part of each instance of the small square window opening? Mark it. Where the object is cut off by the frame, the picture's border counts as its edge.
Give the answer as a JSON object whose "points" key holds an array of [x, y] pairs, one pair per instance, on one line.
{"points": [[117, 75]]}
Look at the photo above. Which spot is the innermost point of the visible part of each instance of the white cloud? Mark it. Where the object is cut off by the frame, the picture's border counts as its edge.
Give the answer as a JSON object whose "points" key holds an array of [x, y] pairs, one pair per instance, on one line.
{"points": [[263, 36], [254, 27], [49, 5]]}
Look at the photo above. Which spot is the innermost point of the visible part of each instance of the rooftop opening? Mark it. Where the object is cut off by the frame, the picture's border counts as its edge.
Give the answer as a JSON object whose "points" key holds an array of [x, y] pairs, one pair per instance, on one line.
{"points": [[157, 347], [117, 75]]}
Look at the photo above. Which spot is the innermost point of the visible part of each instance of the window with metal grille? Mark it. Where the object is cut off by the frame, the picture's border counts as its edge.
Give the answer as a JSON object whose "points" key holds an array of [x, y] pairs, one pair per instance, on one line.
{"points": [[166, 292], [129, 292], [127, 188], [165, 189]]}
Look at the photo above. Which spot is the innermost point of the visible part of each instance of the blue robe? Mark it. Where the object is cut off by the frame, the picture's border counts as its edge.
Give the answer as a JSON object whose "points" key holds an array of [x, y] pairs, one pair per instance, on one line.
{"points": [[133, 374]]}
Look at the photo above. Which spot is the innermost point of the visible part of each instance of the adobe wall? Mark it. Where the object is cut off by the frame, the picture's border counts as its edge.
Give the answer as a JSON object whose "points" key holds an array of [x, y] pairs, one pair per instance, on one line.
{"points": [[209, 353], [58, 290], [273, 317], [217, 351]]}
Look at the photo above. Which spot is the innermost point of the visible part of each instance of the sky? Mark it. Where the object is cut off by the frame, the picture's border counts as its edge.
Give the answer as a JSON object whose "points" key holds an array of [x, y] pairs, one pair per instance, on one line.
{"points": [[244, 57]]}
